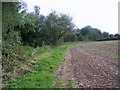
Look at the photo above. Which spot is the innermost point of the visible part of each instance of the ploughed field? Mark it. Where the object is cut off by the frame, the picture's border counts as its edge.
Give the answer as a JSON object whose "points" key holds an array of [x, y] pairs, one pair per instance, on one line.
{"points": [[90, 64]]}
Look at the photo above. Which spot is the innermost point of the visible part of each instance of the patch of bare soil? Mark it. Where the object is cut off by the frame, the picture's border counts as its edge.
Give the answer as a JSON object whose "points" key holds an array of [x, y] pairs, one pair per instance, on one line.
{"points": [[63, 73], [91, 65]]}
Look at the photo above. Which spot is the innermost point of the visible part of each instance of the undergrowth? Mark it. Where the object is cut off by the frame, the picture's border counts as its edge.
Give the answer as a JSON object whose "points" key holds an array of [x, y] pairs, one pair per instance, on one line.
{"points": [[42, 74]]}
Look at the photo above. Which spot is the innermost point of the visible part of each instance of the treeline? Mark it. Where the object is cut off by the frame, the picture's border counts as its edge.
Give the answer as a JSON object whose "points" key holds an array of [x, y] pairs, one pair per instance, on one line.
{"points": [[33, 29], [94, 34], [55, 29]]}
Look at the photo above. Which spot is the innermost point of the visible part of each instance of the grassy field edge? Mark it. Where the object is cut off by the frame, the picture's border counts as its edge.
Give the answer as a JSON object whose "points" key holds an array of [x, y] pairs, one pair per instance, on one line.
{"points": [[42, 74]]}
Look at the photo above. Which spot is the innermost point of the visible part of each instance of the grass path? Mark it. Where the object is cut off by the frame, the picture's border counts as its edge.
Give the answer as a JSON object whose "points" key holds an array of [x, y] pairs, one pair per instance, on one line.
{"points": [[42, 74]]}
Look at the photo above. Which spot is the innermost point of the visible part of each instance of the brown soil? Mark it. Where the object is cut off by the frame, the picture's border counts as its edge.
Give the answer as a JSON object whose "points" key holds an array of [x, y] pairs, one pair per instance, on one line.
{"points": [[91, 65]]}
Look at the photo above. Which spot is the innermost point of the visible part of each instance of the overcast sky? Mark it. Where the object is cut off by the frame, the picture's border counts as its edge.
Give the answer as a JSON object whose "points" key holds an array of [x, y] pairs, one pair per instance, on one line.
{"points": [[101, 14]]}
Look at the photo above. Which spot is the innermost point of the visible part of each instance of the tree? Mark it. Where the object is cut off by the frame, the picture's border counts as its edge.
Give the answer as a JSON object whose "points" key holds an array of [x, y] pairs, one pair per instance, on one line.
{"points": [[97, 34], [31, 31], [106, 35], [89, 33], [28, 31], [55, 27], [11, 17], [117, 36], [70, 37], [79, 36], [37, 10], [111, 36]]}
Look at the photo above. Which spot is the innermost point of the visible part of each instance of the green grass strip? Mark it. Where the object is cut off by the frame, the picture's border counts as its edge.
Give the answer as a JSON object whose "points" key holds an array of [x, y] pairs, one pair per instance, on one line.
{"points": [[42, 75]]}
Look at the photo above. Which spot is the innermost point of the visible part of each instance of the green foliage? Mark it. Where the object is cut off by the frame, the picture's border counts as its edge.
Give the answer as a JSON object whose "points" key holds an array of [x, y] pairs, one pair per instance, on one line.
{"points": [[116, 57], [37, 10], [105, 35], [70, 37], [111, 36], [42, 75], [32, 80], [10, 38], [70, 83], [58, 84], [117, 36], [55, 28], [49, 30], [93, 34], [89, 33]]}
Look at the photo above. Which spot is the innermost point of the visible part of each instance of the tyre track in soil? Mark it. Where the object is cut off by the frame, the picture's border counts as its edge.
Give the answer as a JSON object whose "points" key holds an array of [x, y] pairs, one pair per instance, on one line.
{"points": [[64, 72], [88, 69]]}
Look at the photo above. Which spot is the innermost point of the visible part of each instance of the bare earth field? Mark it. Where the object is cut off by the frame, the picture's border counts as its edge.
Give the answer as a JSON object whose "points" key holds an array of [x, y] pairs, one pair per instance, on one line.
{"points": [[90, 65]]}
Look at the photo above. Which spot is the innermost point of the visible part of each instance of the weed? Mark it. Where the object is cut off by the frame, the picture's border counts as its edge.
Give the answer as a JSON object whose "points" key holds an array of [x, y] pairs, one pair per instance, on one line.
{"points": [[70, 82], [116, 57], [58, 84]]}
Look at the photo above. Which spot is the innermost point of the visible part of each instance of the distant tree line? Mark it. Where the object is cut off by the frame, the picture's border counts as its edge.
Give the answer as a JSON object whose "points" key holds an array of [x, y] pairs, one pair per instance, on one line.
{"points": [[94, 34]]}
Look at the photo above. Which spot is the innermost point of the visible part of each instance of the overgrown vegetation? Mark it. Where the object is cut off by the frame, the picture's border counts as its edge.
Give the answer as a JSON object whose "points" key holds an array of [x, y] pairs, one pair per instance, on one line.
{"points": [[42, 74]]}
